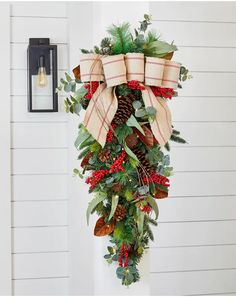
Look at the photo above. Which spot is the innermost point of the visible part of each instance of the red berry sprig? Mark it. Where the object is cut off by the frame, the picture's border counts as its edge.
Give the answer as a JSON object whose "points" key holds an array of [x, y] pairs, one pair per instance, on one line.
{"points": [[124, 254], [96, 177], [166, 93], [110, 133], [157, 179], [116, 166], [135, 85], [92, 88], [146, 208]]}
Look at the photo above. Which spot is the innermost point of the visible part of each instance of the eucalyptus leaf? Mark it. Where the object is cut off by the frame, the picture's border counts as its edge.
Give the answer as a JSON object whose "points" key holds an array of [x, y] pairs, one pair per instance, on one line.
{"points": [[153, 205], [92, 204], [132, 122], [114, 202], [151, 110], [140, 113], [137, 104]]}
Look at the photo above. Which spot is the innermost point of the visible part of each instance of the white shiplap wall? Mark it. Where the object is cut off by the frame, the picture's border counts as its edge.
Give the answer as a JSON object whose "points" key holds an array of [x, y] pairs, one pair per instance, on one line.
{"points": [[195, 247], [39, 161]]}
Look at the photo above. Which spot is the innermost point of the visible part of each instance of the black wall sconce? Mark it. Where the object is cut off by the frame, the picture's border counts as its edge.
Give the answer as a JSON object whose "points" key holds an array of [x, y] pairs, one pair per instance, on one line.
{"points": [[42, 76]]}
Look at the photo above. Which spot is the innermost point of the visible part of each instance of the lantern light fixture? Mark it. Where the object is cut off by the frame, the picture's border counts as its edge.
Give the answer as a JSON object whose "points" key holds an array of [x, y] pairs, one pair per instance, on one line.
{"points": [[42, 76]]}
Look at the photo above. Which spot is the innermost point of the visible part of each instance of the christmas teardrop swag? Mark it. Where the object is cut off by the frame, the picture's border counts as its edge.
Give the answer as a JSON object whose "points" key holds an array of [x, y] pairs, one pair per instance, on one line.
{"points": [[122, 141]]}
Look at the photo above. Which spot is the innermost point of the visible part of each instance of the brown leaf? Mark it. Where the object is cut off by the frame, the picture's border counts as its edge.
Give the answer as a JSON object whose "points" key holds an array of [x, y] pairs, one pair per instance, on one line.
{"points": [[102, 228], [85, 160], [168, 56], [160, 194], [76, 72], [148, 138]]}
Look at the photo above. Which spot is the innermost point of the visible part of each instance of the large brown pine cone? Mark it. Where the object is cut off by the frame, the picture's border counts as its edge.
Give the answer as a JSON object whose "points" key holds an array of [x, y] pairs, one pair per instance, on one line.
{"points": [[125, 109], [104, 156]]}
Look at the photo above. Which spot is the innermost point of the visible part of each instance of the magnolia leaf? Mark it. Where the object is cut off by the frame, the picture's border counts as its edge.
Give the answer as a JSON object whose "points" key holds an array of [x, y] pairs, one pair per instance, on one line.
{"points": [[132, 122], [92, 204], [168, 56], [76, 72], [102, 228], [82, 136], [130, 153], [114, 202], [140, 220], [153, 205]]}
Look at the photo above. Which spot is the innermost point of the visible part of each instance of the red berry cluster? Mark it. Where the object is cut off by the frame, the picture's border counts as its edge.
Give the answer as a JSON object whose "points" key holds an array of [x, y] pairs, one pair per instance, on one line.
{"points": [[124, 254], [110, 133], [116, 166], [135, 85], [92, 88], [146, 208], [157, 179], [166, 93], [96, 177]]}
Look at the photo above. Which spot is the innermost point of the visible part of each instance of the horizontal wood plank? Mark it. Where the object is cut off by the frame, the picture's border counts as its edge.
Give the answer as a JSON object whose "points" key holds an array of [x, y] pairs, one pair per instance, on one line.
{"points": [[208, 208], [35, 9], [193, 258], [209, 84], [202, 109], [53, 28], [39, 135], [40, 239], [39, 213], [203, 184], [39, 187], [41, 287], [39, 161], [40, 265], [197, 58], [194, 11], [19, 111], [206, 134], [195, 233], [203, 158], [19, 56], [197, 34], [193, 283]]}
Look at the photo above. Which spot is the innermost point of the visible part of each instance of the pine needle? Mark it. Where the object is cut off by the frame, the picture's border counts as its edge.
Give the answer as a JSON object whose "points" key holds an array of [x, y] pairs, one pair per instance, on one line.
{"points": [[121, 38]]}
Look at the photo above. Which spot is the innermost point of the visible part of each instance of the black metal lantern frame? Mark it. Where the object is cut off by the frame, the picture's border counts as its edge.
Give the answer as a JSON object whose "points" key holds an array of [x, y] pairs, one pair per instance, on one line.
{"points": [[42, 54]]}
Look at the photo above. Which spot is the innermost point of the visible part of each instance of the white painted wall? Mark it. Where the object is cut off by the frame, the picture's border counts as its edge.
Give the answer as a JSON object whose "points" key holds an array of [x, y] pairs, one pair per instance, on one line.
{"points": [[196, 238], [39, 150], [5, 157], [194, 251]]}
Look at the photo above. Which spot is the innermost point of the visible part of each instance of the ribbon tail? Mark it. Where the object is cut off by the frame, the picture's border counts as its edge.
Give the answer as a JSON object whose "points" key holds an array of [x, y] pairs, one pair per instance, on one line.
{"points": [[161, 126], [100, 113]]}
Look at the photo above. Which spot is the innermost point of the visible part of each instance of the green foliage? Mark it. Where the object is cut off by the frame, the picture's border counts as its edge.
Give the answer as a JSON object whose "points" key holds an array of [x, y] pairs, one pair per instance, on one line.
{"points": [[122, 131]]}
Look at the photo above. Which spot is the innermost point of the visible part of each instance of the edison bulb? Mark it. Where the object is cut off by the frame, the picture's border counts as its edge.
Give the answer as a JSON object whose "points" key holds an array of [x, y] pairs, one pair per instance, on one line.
{"points": [[42, 77]]}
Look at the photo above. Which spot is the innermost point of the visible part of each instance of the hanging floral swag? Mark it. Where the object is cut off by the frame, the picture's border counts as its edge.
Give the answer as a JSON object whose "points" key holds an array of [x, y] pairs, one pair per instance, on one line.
{"points": [[126, 83]]}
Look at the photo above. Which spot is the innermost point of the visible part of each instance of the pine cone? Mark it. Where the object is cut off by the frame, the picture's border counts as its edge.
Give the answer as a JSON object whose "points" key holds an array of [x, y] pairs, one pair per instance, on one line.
{"points": [[120, 212], [125, 109], [117, 187], [131, 140], [104, 156], [145, 167]]}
